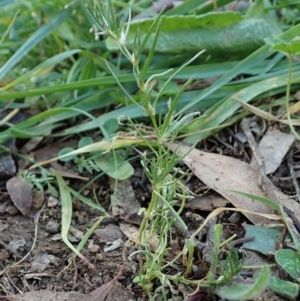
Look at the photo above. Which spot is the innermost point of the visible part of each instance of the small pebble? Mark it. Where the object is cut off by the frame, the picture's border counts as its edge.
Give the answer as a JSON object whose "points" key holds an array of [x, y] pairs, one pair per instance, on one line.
{"points": [[80, 220], [99, 257], [52, 202], [235, 217], [52, 227], [93, 248], [12, 210]]}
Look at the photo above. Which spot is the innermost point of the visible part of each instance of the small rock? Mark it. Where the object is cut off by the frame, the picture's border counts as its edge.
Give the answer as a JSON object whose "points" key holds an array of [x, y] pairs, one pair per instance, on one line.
{"points": [[52, 227], [12, 210], [235, 217], [4, 255], [94, 248], [3, 227], [14, 245], [99, 257], [52, 202], [80, 220]]}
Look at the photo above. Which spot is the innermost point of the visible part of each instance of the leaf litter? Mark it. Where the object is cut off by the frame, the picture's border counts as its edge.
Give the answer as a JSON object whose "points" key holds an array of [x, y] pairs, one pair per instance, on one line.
{"points": [[126, 208], [224, 174]]}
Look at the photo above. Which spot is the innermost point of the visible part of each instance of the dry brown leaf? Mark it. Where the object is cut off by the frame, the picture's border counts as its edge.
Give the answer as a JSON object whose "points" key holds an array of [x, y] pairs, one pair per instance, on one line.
{"points": [[20, 193], [266, 115], [206, 203], [223, 174], [102, 292], [132, 233], [123, 201], [273, 148]]}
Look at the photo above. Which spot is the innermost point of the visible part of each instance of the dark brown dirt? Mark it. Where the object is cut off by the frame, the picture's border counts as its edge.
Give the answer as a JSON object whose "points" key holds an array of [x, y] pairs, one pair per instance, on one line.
{"points": [[50, 265]]}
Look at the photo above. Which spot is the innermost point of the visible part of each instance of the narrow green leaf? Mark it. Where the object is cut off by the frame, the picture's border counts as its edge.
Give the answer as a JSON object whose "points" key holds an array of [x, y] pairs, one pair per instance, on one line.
{"points": [[197, 72], [39, 35], [266, 201], [247, 63], [66, 212], [87, 201], [225, 108], [292, 48], [246, 292], [49, 63]]}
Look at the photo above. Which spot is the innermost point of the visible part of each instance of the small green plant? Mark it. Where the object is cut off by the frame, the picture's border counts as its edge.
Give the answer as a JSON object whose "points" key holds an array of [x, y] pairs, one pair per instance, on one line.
{"points": [[111, 163], [82, 162], [43, 181], [159, 165]]}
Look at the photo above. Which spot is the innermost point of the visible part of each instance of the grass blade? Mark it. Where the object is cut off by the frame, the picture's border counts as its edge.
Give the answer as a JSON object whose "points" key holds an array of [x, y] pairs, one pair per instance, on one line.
{"points": [[39, 35]]}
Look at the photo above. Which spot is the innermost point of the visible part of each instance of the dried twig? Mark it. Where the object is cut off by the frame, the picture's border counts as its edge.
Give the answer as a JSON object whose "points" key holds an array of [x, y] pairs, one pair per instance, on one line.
{"points": [[293, 175], [264, 180]]}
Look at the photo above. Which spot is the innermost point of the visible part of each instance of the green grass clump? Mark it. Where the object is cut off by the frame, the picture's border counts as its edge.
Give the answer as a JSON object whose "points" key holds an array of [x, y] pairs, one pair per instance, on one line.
{"points": [[77, 59]]}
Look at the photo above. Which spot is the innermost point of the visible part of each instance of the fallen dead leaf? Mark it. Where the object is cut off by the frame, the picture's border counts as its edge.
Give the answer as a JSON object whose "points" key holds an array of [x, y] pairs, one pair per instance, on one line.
{"points": [[102, 292], [223, 174], [206, 203], [132, 233], [42, 261], [20, 193], [123, 200], [38, 198], [273, 147]]}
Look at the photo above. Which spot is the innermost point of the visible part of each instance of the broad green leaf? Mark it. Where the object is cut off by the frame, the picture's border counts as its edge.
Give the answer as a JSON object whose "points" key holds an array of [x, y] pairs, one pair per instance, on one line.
{"points": [[62, 153], [284, 288], [246, 292], [265, 239], [217, 33], [290, 262], [114, 165], [84, 141], [39, 35], [110, 126]]}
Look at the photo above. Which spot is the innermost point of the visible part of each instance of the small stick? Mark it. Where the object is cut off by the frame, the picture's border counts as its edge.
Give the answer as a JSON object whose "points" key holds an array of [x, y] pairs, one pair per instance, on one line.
{"points": [[293, 175], [239, 241], [264, 180], [293, 217]]}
